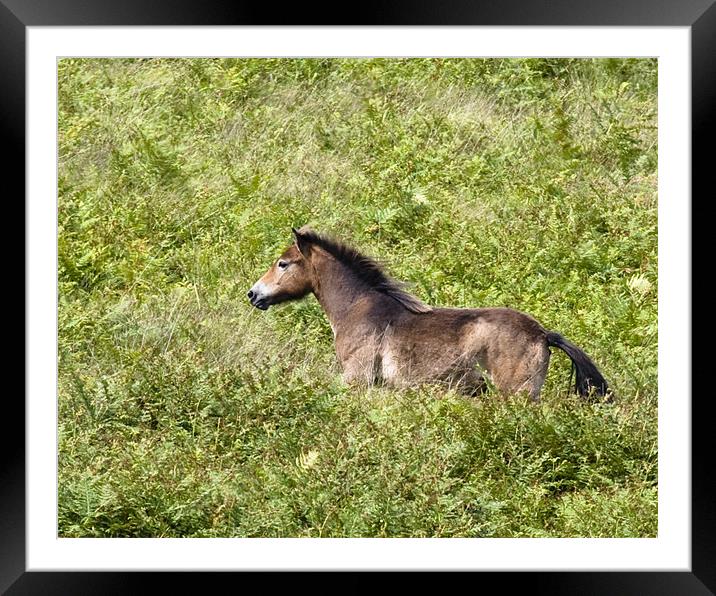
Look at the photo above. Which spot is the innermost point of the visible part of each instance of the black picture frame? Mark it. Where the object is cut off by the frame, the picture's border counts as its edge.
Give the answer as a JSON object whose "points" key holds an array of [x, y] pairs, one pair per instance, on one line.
{"points": [[699, 15]]}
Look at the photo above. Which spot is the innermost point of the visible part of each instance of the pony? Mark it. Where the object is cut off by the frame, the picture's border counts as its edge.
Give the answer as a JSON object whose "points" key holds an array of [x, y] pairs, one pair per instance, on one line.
{"points": [[384, 335]]}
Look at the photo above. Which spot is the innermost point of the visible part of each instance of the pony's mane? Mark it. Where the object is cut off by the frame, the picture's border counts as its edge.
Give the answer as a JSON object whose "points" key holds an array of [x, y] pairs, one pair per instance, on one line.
{"points": [[368, 270]]}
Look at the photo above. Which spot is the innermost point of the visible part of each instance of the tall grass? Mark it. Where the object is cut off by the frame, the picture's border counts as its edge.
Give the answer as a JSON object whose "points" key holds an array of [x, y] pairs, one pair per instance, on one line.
{"points": [[528, 183]]}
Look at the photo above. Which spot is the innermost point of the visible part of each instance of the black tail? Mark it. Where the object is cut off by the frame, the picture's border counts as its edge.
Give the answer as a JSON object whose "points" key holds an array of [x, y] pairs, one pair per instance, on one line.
{"points": [[588, 376]]}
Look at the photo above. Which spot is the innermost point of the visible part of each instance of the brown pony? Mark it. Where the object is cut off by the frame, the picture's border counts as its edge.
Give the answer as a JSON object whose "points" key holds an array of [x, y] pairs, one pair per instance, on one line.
{"points": [[385, 335]]}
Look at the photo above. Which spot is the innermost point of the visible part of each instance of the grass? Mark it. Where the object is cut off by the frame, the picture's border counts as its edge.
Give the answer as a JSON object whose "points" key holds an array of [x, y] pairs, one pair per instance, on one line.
{"points": [[528, 183]]}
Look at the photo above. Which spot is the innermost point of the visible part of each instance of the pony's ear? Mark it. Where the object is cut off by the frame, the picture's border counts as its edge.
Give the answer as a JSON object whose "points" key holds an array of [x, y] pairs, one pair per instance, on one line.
{"points": [[302, 243]]}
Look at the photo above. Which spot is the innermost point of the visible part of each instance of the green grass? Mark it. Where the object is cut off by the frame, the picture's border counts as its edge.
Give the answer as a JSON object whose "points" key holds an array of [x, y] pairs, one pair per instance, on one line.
{"points": [[526, 183]]}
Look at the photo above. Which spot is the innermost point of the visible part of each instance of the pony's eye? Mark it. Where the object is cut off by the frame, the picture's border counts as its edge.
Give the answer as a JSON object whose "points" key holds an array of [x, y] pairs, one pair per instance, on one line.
{"points": [[282, 264]]}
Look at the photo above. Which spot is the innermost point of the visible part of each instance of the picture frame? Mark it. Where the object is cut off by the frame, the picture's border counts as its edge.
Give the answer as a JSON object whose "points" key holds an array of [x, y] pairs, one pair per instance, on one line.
{"points": [[16, 15]]}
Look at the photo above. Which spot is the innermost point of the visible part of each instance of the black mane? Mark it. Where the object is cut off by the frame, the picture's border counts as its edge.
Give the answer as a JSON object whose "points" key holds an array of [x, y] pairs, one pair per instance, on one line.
{"points": [[366, 269]]}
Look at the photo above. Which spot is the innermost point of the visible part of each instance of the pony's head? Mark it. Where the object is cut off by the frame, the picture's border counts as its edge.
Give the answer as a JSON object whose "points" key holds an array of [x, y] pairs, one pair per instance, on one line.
{"points": [[289, 278]]}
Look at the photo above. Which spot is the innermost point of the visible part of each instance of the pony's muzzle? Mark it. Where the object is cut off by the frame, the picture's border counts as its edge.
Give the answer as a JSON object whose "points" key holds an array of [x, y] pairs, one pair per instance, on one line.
{"points": [[257, 299]]}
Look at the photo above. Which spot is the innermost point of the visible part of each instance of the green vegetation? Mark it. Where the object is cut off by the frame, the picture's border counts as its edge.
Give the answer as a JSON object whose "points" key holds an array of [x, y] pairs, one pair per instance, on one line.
{"points": [[183, 411]]}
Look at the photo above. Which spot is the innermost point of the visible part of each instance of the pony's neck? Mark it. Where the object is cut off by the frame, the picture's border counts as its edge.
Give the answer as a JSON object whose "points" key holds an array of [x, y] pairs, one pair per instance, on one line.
{"points": [[336, 287]]}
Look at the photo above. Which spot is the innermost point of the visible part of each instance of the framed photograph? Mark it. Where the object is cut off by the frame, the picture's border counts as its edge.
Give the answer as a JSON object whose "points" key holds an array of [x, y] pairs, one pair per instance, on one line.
{"points": [[529, 172]]}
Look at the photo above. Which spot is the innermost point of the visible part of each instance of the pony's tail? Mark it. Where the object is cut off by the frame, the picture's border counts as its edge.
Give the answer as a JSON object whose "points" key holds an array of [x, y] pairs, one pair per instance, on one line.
{"points": [[588, 376]]}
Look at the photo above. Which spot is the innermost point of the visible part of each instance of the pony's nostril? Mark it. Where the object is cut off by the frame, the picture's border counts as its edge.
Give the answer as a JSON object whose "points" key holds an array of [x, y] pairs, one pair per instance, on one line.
{"points": [[250, 294]]}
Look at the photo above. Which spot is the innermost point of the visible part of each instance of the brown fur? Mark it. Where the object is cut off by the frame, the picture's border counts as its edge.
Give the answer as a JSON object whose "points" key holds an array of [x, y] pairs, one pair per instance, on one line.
{"points": [[385, 335]]}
